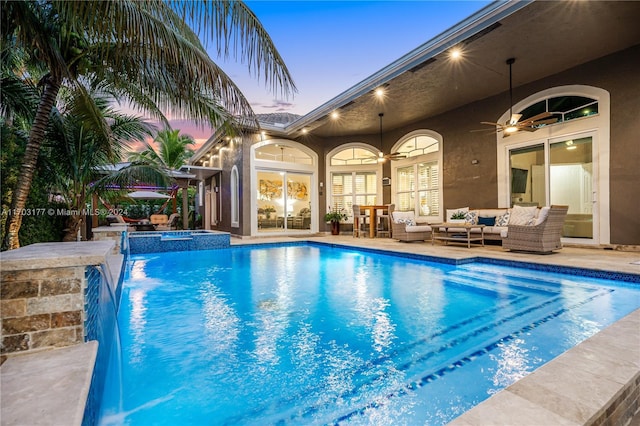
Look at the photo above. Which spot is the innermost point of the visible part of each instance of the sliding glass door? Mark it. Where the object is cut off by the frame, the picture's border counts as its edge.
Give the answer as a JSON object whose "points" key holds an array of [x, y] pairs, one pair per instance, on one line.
{"points": [[558, 171], [283, 201], [571, 183]]}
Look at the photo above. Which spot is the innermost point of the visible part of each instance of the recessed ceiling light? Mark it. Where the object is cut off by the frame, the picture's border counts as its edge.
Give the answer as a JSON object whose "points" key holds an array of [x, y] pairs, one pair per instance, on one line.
{"points": [[456, 53], [334, 115]]}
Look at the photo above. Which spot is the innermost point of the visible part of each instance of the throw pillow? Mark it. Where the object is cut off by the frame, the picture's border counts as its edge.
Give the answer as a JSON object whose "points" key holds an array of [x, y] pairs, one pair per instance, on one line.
{"points": [[472, 218], [407, 218], [503, 220], [450, 212], [542, 215], [406, 221], [487, 221], [523, 215]]}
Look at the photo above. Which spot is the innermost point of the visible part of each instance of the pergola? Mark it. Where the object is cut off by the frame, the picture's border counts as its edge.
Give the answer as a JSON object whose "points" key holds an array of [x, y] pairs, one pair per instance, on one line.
{"points": [[186, 176]]}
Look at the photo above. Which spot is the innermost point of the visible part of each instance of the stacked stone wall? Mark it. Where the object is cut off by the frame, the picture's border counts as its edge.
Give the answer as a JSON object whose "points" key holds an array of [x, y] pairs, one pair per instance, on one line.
{"points": [[41, 309]]}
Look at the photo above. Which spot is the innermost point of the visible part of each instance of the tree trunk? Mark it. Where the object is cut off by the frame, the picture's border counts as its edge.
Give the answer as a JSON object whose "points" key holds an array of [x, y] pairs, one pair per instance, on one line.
{"points": [[73, 224], [30, 160]]}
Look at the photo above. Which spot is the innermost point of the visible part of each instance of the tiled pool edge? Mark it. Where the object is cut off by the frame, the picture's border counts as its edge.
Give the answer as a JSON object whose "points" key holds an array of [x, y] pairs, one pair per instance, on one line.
{"points": [[573, 270], [171, 241], [595, 383]]}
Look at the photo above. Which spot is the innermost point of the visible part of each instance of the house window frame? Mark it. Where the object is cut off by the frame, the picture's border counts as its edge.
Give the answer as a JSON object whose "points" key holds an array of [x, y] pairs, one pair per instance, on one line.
{"points": [[258, 164], [432, 157], [354, 169], [235, 197], [598, 124]]}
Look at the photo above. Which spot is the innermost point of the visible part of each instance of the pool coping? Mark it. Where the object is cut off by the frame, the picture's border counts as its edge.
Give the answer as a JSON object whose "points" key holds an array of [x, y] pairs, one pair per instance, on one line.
{"points": [[46, 388]]}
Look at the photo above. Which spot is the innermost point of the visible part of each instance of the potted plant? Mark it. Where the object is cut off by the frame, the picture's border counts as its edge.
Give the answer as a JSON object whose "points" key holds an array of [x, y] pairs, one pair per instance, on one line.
{"points": [[267, 210], [458, 217], [335, 217]]}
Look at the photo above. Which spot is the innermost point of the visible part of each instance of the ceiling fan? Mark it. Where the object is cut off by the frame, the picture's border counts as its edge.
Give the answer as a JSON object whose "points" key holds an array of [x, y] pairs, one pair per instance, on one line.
{"points": [[382, 157], [514, 124]]}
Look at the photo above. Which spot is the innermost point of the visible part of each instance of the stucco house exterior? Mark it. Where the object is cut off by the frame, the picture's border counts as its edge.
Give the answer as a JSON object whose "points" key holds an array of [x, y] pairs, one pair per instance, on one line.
{"points": [[578, 61]]}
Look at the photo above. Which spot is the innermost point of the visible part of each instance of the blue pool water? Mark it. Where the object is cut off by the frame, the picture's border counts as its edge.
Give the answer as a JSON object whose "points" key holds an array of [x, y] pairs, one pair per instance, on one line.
{"points": [[313, 334]]}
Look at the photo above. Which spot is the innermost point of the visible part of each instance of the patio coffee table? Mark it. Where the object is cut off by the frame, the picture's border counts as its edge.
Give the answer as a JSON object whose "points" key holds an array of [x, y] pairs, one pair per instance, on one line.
{"points": [[456, 236]]}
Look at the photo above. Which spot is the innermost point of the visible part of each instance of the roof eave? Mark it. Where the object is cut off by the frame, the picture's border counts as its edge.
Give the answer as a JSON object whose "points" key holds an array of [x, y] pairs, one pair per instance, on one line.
{"points": [[466, 28]]}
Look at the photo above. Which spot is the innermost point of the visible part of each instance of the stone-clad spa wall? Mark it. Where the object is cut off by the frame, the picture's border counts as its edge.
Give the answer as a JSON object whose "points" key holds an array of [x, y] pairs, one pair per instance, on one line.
{"points": [[41, 308], [42, 294]]}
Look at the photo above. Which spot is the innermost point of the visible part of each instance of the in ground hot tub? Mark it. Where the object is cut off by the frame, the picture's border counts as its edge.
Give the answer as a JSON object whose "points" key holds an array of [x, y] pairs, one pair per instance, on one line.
{"points": [[163, 241]]}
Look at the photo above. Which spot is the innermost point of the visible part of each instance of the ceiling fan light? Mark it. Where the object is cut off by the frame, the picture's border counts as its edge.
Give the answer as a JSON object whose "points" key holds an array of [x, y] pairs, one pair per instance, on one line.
{"points": [[510, 129]]}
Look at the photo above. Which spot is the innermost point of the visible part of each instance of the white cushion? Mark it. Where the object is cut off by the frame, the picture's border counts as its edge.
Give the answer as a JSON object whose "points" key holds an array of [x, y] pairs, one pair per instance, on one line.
{"points": [[542, 215], [491, 212], [418, 228], [450, 212], [408, 218], [523, 215], [504, 232], [494, 229]]}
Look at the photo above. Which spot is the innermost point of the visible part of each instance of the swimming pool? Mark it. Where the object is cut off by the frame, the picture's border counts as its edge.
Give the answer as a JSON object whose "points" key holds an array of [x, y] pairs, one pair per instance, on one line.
{"points": [[313, 334]]}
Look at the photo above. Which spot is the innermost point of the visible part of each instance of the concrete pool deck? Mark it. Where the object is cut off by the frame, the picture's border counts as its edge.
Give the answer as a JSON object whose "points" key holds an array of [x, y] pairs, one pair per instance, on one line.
{"points": [[576, 388]]}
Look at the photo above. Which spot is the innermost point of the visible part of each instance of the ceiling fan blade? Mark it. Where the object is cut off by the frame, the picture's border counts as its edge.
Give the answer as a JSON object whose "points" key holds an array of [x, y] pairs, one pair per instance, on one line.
{"points": [[547, 121], [491, 124], [537, 117], [514, 119], [395, 156]]}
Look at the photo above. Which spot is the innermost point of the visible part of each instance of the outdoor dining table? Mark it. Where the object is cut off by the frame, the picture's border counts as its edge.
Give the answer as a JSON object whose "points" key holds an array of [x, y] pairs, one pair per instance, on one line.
{"points": [[372, 217]]}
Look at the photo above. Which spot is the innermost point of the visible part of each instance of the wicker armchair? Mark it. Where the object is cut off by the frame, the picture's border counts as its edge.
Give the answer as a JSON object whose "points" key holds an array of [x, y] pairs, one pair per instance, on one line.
{"points": [[541, 238], [401, 231]]}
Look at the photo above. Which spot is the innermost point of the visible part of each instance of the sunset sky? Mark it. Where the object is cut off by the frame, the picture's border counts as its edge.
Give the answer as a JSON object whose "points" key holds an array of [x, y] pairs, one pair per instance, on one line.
{"points": [[329, 46]]}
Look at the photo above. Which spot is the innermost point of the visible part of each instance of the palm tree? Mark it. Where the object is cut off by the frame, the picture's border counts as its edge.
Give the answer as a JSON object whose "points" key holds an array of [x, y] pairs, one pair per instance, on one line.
{"points": [[145, 49], [173, 150], [77, 150]]}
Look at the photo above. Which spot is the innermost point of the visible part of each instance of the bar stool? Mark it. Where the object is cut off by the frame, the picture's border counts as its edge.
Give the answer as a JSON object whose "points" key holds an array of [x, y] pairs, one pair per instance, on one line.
{"points": [[359, 220], [385, 221]]}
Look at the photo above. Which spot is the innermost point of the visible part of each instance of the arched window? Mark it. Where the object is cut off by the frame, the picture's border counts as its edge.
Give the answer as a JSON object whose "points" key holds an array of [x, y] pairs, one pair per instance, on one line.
{"points": [[564, 108], [354, 174], [284, 153], [235, 198], [414, 146], [418, 186]]}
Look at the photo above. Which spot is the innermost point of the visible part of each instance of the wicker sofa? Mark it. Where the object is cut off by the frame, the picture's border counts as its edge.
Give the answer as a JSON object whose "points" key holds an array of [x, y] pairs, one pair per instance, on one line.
{"points": [[543, 237], [488, 217], [404, 227]]}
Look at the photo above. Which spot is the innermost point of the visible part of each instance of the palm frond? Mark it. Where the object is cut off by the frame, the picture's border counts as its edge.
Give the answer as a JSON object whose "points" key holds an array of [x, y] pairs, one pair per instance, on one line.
{"points": [[175, 65], [19, 97], [138, 172]]}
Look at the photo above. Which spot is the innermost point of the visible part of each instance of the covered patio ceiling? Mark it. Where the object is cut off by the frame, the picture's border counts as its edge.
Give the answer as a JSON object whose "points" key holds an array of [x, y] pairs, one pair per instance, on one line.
{"points": [[545, 37]]}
